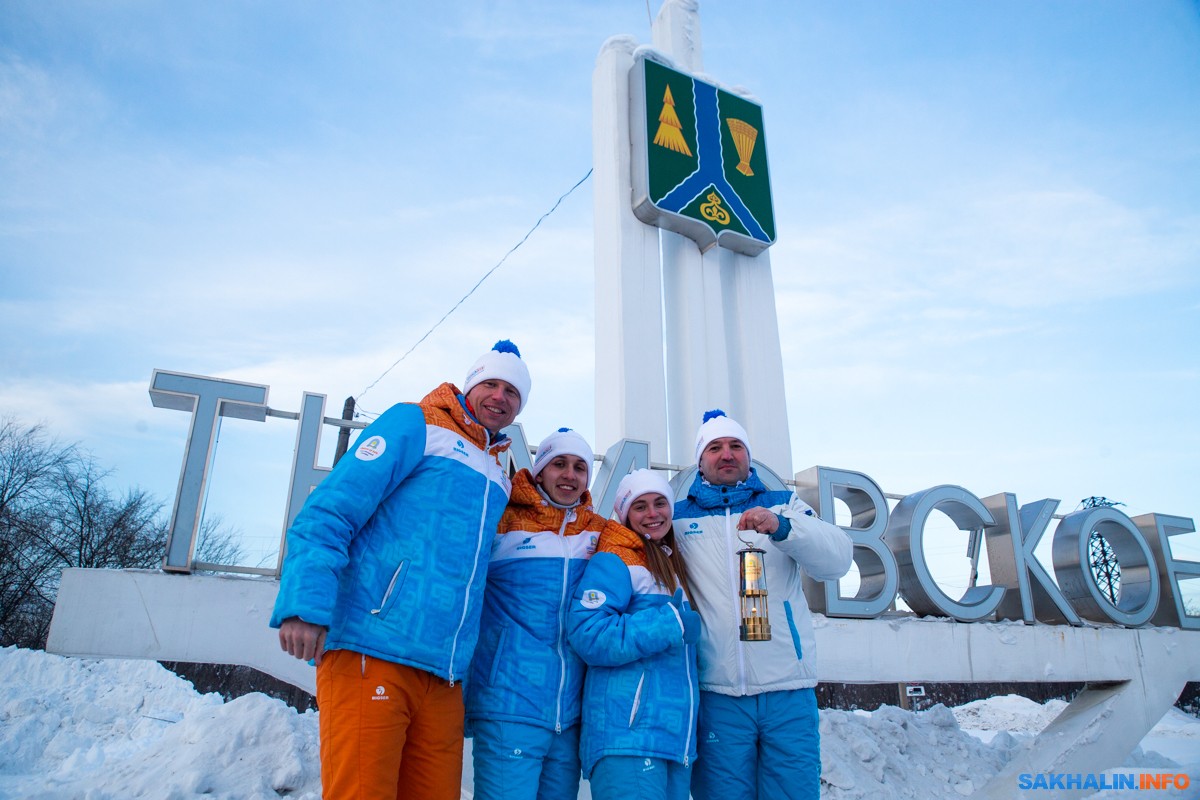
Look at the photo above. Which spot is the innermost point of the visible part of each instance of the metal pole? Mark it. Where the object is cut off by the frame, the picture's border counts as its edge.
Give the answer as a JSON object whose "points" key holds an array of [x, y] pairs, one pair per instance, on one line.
{"points": [[343, 443]]}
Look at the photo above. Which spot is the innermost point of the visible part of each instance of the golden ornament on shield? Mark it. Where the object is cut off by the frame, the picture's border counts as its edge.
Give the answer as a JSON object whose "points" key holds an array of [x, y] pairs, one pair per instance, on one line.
{"points": [[712, 210], [744, 137]]}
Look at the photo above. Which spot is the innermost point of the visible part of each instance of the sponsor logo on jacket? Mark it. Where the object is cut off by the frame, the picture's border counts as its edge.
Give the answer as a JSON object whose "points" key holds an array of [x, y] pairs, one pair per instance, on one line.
{"points": [[371, 449]]}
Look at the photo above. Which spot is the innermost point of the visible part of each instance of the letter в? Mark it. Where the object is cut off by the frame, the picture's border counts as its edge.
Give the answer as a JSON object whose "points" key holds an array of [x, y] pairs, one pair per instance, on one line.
{"points": [[878, 573]]}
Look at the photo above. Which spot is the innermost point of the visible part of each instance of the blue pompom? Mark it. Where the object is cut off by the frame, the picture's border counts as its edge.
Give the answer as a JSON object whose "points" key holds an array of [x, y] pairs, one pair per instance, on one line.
{"points": [[564, 430], [716, 412], [505, 346]]}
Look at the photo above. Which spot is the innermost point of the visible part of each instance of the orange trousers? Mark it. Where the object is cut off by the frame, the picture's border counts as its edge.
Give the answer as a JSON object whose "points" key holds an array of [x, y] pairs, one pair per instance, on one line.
{"points": [[388, 730]]}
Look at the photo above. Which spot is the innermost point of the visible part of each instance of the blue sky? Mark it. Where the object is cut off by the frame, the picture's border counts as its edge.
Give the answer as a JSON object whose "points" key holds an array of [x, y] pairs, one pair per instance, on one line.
{"points": [[987, 268]]}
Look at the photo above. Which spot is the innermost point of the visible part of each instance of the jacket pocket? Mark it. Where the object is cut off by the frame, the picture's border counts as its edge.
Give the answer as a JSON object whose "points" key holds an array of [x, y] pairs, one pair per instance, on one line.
{"points": [[637, 700], [393, 590], [498, 655], [787, 607]]}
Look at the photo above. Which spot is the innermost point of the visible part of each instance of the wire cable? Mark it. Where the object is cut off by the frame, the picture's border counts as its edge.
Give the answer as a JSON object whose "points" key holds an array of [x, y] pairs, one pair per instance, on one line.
{"points": [[479, 283]]}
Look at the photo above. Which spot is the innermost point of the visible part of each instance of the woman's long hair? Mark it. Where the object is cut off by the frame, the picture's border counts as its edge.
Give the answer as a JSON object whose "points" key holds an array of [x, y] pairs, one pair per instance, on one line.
{"points": [[666, 564]]}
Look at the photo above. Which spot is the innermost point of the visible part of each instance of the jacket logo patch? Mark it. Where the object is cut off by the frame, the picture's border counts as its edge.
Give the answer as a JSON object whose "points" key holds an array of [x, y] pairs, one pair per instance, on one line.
{"points": [[380, 694], [461, 449], [592, 598], [525, 545], [371, 449], [693, 528]]}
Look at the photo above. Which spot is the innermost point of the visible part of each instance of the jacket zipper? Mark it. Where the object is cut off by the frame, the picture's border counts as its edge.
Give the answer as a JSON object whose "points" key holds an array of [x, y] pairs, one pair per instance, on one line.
{"points": [[687, 744], [735, 590], [487, 490], [562, 661]]}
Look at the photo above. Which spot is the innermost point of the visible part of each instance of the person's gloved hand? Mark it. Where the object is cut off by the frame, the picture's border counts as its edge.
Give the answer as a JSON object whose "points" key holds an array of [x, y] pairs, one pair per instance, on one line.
{"points": [[690, 619]]}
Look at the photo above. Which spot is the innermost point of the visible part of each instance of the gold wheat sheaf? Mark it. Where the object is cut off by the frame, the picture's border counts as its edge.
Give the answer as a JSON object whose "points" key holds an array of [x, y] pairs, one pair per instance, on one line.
{"points": [[744, 137], [670, 129]]}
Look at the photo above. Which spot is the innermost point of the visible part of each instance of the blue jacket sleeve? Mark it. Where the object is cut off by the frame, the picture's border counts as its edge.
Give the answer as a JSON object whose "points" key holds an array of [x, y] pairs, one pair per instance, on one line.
{"points": [[602, 628], [318, 542]]}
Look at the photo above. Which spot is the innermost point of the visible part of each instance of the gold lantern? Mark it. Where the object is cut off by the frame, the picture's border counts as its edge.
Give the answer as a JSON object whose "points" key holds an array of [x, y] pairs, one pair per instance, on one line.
{"points": [[756, 627]]}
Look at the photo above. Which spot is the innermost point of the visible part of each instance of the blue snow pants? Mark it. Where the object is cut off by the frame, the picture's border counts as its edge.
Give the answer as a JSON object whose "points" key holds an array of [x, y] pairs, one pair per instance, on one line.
{"points": [[758, 747], [514, 761], [639, 778]]}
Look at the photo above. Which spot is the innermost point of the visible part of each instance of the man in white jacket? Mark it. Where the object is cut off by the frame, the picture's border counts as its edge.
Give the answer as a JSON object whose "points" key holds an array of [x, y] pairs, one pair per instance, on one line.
{"points": [[758, 731]]}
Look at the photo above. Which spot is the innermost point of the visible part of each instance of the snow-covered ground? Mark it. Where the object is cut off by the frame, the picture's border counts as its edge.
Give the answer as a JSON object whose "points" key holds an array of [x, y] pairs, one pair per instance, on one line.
{"points": [[79, 728]]}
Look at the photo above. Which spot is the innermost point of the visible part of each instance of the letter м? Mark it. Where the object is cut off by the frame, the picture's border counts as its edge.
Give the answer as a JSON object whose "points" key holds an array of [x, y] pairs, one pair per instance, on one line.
{"points": [[208, 399]]}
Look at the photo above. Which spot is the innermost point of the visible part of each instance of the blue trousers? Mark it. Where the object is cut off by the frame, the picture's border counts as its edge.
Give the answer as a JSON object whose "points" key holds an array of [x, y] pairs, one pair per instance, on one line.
{"points": [[514, 761], [639, 778], [758, 747]]}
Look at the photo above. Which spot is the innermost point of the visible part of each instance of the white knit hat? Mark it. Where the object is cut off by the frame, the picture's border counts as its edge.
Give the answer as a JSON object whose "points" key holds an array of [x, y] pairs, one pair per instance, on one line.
{"points": [[718, 426], [504, 362], [636, 484], [563, 440]]}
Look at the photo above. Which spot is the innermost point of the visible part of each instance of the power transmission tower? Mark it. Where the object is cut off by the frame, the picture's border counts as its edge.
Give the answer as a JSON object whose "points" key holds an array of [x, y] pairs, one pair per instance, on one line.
{"points": [[1101, 557]]}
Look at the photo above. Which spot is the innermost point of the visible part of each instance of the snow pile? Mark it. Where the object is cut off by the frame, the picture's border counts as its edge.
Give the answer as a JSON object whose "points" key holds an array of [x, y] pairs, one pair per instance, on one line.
{"points": [[1012, 713], [78, 728], [892, 753], [112, 729]]}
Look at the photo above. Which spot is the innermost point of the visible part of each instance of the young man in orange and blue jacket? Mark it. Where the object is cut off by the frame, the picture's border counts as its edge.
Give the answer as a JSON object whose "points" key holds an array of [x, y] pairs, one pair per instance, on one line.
{"points": [[523, 697]]}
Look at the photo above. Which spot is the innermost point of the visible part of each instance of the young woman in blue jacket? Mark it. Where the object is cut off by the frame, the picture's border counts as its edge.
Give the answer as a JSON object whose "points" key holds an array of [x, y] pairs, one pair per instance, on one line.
{"points": [[633, 626]]}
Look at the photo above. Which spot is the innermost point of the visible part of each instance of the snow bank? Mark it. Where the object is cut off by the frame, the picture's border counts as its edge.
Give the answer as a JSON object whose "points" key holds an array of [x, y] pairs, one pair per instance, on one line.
{"points": [[73, 728], [79, 728]]}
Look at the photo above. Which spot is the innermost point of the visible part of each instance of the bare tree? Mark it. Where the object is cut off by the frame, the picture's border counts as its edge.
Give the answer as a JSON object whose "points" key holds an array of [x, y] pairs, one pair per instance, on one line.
{"points": [[30, 463], [57, 512], [217, 543], [91, 528]]}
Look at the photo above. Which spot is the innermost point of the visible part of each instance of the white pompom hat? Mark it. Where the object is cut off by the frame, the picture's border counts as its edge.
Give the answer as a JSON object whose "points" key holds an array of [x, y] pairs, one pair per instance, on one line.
{"points": [[636, 484], [504, 362], [563, 440], [718, 426]]}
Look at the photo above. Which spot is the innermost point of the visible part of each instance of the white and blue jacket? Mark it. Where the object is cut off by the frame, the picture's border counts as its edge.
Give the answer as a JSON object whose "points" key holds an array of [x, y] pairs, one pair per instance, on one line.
{"points": [[390, 550], [642, 689], [706, 533], [524, 669]]}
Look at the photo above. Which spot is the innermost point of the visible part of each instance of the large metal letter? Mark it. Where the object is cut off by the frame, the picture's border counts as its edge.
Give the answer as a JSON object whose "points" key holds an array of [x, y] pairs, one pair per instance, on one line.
{"points": [[905, 536], [207, 399], [1138, 597], [878, 574], [518, 452], [621, 459], [1158, 530], [306, 473], [1010, 546]]}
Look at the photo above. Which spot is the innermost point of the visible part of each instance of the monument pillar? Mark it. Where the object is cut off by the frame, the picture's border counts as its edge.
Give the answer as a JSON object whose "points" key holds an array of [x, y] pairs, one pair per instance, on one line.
{"points": [[701, 325]]}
